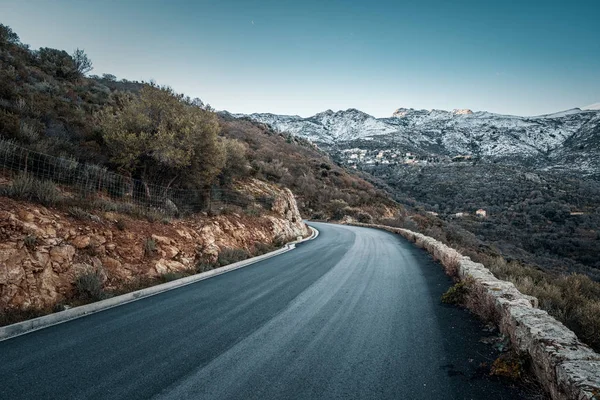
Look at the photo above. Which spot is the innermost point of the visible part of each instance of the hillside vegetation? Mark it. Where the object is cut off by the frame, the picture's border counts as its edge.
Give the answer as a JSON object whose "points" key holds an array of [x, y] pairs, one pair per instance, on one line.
{"points": [[156, 137], [541, 218]]}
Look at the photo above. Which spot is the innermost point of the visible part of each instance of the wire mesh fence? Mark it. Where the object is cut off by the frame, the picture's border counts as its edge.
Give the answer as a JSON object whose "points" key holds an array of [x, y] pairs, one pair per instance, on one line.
{"points": [[94, 182]]}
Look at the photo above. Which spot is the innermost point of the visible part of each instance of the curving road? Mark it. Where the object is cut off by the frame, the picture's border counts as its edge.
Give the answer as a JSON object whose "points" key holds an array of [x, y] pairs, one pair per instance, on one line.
{"points": [[354, 314]]}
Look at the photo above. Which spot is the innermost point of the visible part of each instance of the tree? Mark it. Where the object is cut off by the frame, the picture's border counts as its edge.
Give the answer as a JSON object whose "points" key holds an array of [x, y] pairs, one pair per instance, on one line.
{"points": [[8, 36], [109, 77], [81, 61], [157, 136], [236, 163], [57, 63]]}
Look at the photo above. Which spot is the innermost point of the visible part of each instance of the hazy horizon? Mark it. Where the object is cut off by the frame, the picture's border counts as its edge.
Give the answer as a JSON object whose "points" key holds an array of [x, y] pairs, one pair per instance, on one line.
{"points": [[292, 58]]}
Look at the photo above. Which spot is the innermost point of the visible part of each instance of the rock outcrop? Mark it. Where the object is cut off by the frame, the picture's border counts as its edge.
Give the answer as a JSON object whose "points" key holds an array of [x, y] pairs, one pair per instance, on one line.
{"points": [[42, 251]]}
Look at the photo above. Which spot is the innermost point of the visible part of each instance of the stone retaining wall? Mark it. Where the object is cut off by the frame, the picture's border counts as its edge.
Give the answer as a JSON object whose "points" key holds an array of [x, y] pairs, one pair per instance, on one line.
{"points": [[566, 367]]}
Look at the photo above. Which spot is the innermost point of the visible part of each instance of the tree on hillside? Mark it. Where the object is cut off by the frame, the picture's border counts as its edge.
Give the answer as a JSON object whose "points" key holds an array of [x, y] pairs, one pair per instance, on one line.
{"points": [[158, 137], [7, 35], [82, 63], [236, 162], [57, 63]]}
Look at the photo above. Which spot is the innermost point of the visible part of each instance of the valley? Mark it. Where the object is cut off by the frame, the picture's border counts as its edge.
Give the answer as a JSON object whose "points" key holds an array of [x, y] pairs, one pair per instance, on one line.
{"points": [[535, 179]]}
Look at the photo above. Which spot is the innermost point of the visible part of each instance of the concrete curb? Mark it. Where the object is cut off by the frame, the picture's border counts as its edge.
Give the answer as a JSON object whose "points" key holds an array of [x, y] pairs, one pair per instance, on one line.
{"points": [[25, 327], [566, 367]]}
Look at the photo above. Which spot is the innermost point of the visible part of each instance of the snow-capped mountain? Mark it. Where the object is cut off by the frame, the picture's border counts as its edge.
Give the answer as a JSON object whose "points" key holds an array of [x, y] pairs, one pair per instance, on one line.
{"points": [[595, 106], [328, 126], [545, 140]]}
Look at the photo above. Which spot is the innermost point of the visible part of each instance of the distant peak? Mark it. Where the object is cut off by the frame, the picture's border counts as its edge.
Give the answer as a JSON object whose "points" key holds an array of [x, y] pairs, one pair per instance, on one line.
{"points": [[461, 111], [562, 113], [402, 112], [595, 106]]}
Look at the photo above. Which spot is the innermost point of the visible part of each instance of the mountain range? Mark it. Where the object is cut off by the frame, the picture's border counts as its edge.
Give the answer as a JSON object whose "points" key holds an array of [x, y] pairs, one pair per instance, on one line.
{"points": [[567, 140]]}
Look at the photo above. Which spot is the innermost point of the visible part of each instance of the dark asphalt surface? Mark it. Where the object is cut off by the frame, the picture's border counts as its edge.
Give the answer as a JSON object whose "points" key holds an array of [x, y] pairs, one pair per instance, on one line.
{"points": [[354, 314]]}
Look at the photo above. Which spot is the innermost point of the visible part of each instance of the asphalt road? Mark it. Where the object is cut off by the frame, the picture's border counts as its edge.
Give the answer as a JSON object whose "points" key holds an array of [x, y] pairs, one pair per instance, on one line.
{"points": [[354, 314]]}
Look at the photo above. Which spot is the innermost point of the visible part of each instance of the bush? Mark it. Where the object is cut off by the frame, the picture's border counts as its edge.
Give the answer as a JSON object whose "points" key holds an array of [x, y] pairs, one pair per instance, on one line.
{"points": [[121, 224], [57, 63], [457, 294], [159, 135], [229, 256], [13, 315], [508, 365], [79, 213], [236, 164], [364, 218], [274, 170], [26, 187], [149, 247], [30, 242], [88, 286], [263, 248], [203, 266], [336, 208], [172, 276]]}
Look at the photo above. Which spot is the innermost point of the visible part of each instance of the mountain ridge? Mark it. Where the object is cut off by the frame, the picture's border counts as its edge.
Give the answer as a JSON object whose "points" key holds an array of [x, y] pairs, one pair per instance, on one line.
{"points": [[567, 140]]}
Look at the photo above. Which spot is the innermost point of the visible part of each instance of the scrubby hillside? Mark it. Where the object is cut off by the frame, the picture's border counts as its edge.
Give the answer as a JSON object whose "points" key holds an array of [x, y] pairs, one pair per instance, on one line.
{"points": [[546, 219], [323, 188], [158, 138]]}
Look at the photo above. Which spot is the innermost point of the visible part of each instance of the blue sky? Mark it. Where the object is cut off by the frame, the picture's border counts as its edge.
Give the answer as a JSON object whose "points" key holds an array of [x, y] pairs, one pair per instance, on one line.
{"points": [[303, 57]]}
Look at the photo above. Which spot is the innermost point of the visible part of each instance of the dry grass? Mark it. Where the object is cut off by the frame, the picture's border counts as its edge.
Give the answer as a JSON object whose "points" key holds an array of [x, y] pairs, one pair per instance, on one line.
{"points": [[572, 299]]}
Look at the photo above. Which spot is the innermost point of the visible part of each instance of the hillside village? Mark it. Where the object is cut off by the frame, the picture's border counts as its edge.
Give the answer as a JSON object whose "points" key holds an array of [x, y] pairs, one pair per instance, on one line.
{"points": [[356, 157]]}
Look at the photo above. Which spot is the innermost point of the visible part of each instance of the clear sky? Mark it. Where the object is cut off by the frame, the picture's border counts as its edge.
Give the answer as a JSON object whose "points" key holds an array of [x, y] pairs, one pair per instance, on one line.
{"points": [[301, 57]]}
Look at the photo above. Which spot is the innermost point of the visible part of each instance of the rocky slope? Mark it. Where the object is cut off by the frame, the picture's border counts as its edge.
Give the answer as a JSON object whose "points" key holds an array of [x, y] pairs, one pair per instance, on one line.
{"points": [[42, 250], [567, 140]]}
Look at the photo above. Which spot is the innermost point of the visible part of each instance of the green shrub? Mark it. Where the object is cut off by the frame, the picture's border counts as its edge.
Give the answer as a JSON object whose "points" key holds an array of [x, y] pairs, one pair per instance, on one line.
{"points": [[263, 248], [14, 315], [203, 266], [172, 276], [266, 201], [88, 286], [364, 218], [337, 208], [149, 247], [121, 224], [509, 365], [26, 187], [30, 242], [229, 256], [79, 213], [457, 294], [105, 205]]}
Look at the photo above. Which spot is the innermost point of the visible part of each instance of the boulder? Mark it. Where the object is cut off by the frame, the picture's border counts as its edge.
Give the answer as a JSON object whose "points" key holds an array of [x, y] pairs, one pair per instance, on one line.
{"points": [[81, 242]]}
